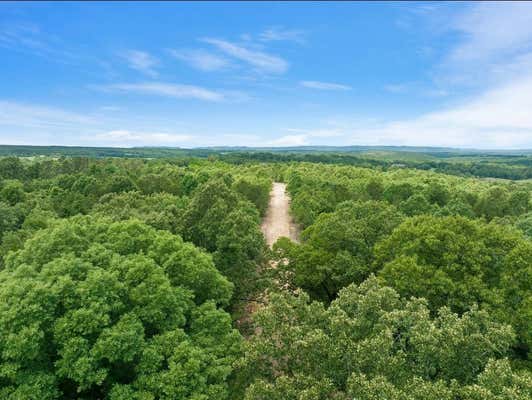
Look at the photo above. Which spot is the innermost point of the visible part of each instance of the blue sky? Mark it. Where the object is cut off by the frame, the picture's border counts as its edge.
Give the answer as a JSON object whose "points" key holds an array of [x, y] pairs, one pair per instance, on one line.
{"points": [[266, 74]]}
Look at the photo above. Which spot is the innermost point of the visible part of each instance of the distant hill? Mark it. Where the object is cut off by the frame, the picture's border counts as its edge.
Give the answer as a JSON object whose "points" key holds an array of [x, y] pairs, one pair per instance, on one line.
{"points": [[385, 152], [362, 149], [501, 164]]}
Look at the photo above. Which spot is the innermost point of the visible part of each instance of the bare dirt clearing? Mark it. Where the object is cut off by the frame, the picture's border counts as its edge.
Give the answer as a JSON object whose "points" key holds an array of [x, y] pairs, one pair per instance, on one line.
{"points": [[278, 221]]}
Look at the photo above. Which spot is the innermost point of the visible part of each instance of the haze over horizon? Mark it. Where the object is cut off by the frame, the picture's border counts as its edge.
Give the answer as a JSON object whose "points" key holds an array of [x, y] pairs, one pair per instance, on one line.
{"points": [[266, 74]]}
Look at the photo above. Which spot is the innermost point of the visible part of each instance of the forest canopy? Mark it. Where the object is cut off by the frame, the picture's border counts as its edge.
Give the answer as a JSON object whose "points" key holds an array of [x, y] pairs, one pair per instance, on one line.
{"points": [[135, 278]]}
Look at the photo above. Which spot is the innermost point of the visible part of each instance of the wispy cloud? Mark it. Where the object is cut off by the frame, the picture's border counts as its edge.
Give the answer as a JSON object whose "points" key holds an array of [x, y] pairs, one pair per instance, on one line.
{"points": [[277, 33], [110, 108], [17, 114], [302, 137], [238, 139], [200, 59], [141, 61], [416, 88], [24, 123], [260, 60], [178, 91], [290, 140], [33, 124], [493, 31], [317, 133], [493, 45], [22, 35], [497, 118], [324, 85], [397, 88], [123, 137], [29, 38]]}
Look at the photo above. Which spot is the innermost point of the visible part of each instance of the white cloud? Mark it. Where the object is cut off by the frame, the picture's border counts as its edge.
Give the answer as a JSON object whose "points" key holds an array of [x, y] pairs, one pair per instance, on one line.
{"points": [[110, 108], [290, 140], [303, 137], [317, 133], [492, 53], [34, 116], [277, 33], [32, 124], [238, 139], [324, 85], [493, 30], [141, 61], [23, 123], [397, 87], [494, 44], [28, 38], [242, 137], [175, 90], [497, 118], [123, 137], [258, 59], [22, 35], [416, 88], [201, 59]]}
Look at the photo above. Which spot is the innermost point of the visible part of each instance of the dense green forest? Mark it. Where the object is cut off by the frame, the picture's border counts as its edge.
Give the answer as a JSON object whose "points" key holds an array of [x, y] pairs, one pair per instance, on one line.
{"points": [[502, 164], [143, 274]]}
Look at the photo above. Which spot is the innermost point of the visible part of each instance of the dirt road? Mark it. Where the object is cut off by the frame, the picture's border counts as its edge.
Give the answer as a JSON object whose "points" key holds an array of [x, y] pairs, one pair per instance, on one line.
{"points": [[278, 221]]}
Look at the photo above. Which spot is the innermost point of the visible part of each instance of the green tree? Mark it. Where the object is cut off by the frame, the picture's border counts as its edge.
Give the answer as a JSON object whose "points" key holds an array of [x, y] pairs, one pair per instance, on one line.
{"points": [[240, 248], [372, 344], [102, 310], [338, 248], [256, 191], [161, 210], [375, 188], [458, 262], [398, 192], [415, 205], [159, 183], [120, 183], [12, 192], [8, 219], [219, 220], [67, 203], [308, 205], [457, 205], [516, 284], [524, 223], [14, 239], [438, 193], [11, 168], [493, 203], [209, 206], [519, 202]]}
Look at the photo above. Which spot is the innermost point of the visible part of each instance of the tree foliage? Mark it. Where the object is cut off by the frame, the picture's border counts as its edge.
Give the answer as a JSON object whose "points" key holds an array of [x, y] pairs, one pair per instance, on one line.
{"points": [[457, 262], [338, 248], [122, 278], [98, 309], [372, 344]]}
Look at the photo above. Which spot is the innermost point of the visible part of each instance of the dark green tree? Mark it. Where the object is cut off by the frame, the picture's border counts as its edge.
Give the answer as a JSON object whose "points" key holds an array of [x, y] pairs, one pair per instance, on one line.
{"points": [[100, 310], [372, 344], [12, 192], [338, 248], [458, 262]]}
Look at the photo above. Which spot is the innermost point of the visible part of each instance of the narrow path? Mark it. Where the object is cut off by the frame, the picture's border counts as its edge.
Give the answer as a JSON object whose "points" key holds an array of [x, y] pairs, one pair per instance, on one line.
{"points": [[278, 221]]}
